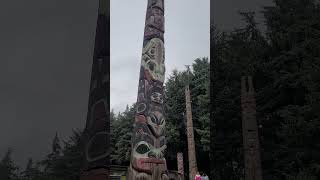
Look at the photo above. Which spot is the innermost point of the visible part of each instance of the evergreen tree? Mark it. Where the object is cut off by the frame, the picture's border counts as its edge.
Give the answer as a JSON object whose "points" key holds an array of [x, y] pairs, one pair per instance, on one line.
{"points": [[284, 64], [176, 110], [32, 171], [292, 113], [175, 118], [240, 52], [121, 132], [8, 169], [28, 174], [70, 162], [113, 137], [51, 161]]}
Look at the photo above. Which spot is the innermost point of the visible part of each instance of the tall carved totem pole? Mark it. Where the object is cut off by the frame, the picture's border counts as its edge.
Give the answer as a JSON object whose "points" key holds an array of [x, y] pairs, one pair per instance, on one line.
{"points": [[96, 139], [193, 169], [148, 139], [251, 145]]}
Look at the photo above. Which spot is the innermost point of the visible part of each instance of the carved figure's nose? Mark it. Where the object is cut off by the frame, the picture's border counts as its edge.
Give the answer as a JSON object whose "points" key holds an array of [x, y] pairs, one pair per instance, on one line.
{"points": [[152, 154]]}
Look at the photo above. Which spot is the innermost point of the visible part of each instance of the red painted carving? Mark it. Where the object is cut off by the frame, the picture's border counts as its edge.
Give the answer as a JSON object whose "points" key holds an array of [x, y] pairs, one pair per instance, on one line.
{"points": [[147, 164], [140, 119]]}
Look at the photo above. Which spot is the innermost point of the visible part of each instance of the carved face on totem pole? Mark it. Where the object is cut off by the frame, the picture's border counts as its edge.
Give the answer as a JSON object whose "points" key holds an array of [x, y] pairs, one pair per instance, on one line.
{"points": [[157, 123], [148, 140], [155, 117], [156, 97], [155, 93], [153, 60], [147, 152]]}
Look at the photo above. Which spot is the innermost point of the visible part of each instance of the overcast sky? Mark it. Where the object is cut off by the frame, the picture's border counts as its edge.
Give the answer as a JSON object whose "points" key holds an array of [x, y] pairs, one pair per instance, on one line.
{"points": [[46, 51], [186, 38]]}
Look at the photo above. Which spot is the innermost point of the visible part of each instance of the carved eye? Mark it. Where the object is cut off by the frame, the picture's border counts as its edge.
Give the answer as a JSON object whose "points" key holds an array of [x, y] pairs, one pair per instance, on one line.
{"points": [[141, 107], [162, 121], [153, 119], [142, 149], [155, 95]]}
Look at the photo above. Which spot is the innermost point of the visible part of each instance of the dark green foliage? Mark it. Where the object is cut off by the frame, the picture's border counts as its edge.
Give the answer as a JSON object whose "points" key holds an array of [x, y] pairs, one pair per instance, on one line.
{"points": [[70, 163], [8, 169], [176, 110], [284, 63], [52, 160], [121, 132], [294, 50], [237, 53], [64, 162], [32, 171]]}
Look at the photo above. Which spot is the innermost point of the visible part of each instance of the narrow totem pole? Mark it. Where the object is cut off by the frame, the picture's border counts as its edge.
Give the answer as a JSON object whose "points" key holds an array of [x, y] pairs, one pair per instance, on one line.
{"points": [[180, 164], [96, 140], [193, 169], [250, 131], [148, 140]]}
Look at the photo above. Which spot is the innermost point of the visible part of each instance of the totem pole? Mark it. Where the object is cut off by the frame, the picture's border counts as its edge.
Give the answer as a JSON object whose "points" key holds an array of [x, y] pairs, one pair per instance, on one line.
{"points": [[96, 140], [251, 145], [180, 164], [191, 145], [148, 140]]}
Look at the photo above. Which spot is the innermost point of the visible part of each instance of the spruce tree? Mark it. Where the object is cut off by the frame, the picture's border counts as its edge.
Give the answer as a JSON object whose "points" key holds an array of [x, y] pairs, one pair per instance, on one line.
{"points": [[8, 169]]}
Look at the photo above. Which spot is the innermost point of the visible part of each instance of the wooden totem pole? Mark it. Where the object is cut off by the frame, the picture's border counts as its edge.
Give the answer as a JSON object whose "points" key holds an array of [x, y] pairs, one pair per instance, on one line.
{"points": [[96, 139], [250, 131], [193, 169], [180, 164], [148, 140]]}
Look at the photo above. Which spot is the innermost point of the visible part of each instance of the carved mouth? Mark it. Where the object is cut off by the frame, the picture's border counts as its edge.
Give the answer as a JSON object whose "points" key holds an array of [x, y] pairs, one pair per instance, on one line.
{"points": [[152, 161], [147, 164]]}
